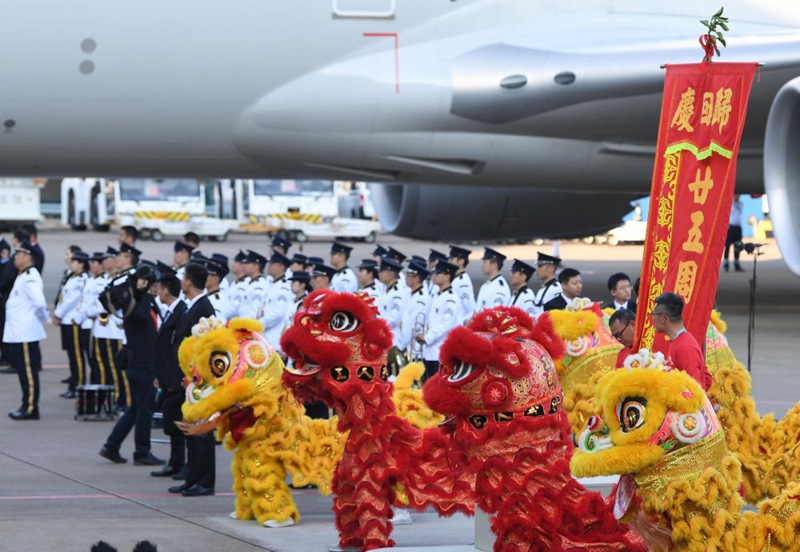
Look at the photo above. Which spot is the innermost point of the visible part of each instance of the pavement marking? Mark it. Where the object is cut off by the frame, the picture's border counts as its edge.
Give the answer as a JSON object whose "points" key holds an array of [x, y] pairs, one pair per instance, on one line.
{"points": [[95, 496], [132, 500]]}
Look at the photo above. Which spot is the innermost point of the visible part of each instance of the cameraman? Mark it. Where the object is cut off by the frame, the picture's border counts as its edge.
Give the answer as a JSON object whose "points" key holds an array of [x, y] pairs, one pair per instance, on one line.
{"points": [[140, 332]]}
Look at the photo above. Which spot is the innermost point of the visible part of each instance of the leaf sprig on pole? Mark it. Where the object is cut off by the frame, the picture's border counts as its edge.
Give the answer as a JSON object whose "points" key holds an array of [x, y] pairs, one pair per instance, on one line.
{"points": [[713, 37]]}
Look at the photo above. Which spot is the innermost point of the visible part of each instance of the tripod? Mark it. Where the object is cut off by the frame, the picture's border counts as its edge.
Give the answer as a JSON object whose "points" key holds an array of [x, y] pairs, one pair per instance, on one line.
{"points": [[755, 250]]}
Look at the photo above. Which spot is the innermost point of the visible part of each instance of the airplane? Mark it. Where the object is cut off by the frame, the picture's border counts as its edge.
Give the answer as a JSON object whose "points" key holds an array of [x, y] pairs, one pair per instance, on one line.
{"points": [[475, 119]]}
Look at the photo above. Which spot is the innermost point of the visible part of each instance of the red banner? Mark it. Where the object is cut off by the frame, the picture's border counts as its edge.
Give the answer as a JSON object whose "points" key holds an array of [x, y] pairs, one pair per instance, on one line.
{"points": [[702, 115]]}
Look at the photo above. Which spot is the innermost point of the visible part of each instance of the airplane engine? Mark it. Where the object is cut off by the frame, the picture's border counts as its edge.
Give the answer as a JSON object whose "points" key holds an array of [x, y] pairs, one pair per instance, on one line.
{"points": [[465, 213], [782, 171]]}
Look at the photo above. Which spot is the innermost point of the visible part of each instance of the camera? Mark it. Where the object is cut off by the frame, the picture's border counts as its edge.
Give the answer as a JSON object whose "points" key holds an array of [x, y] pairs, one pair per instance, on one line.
{"points": [[749, 248]]}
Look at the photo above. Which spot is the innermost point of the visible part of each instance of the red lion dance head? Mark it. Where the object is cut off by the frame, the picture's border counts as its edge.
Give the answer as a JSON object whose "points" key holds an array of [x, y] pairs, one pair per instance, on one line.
{"points": [[498, 383], [337, 346]]}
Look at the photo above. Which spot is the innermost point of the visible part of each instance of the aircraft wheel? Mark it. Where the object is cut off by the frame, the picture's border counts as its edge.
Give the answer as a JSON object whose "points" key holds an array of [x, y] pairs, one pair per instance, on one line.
{"points": [[588, 240], [157, 235], [612, 240]]}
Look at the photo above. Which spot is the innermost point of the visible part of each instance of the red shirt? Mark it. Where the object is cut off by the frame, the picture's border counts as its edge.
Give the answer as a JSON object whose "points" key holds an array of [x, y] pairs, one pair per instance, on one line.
{"points": [[685, 354], [621, 356]]}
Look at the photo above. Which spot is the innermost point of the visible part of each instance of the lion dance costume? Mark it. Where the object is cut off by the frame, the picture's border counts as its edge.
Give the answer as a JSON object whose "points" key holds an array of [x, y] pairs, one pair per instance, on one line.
{"points": [[680, 487], [234, 386], [498, 384], [338, 348]]}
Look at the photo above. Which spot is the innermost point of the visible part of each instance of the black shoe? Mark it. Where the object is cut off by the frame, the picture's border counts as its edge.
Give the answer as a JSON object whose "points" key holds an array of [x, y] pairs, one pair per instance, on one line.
{"points": [[8, 370], [148, 460], [65, 380], [166, 471], [112, 455], [726, 267], [181, 474], [198, 490], [178, 489], [738, 268], [23, 415], [68, 395]]}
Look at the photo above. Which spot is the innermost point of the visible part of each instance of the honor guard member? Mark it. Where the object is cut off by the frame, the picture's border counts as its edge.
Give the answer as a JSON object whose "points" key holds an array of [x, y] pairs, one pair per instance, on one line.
{"points": [[345, 278], [462, 283], [311, 262], [108, 336], [494, 292], [281, 245], [182, 254], [415, 311], [94, 286], [391, 309], [571, 287], [298, 264], [38, 252], [26, 313], [433, 259], [238, 290], [21, 235], [66, 316], [279, 297], [400, 258], [128, 235], [546, 266], [301, 287], [522, 296], [367, 273], [256, 294], [377, 253], [444, 315], [216, 274], [224, 285], [322, 276]]}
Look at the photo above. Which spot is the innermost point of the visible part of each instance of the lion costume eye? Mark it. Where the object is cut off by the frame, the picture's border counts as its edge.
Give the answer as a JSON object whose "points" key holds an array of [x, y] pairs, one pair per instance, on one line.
{"points": [[343, 321], [219, 362], [461, 371], [632, 413]]}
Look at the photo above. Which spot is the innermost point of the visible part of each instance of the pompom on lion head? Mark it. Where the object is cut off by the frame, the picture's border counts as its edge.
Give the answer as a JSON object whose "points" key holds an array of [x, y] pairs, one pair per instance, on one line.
{"points": [[226, 366], [501, 363], [335, 339]]}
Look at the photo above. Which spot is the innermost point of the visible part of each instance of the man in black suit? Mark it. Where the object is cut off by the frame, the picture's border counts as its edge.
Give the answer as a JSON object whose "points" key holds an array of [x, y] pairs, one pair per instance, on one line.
{"points": [[571, 287], [140, 361], [202, 462], [169, 372], [619, 285]]}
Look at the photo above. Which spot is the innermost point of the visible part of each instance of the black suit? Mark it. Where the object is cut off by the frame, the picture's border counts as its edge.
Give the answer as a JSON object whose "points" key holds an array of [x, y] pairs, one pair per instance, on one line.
{"points": [[8, 274], [202, 460], [556, 303], [631, 306], [140, 334], [170, 378]]}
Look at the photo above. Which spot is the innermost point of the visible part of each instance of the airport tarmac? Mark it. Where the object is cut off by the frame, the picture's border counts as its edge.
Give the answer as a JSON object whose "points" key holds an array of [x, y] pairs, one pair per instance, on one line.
{"points": [[57, 493]]}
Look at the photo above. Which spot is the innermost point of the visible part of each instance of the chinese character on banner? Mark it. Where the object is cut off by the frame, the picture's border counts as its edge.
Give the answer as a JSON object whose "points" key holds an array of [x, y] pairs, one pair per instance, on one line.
{"points": [[692, 190]]}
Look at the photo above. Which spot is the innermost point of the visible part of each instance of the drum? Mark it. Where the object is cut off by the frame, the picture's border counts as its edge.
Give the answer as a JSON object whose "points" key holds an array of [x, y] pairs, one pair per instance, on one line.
{"points": [[95, 403]]}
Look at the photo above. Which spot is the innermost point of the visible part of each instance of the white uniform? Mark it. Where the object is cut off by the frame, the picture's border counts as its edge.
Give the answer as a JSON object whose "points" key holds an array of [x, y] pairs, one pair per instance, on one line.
{"points": [[92, 289], [69, 300], [391, 306], [493, 293], [373, 291], [290, 312], [547, 292], [180, 271], [235, 297], [444, 315], [219, 303], [524, 298], [415, 316], [224, 285], [106, 326], [254, 298], [462, 287], [26, 309], [344, 280], [279, 298]]}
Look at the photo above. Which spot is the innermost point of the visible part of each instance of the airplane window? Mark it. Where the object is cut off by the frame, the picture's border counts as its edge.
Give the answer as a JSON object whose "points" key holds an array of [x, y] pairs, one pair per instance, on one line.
{"points": [[168, 189]]}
